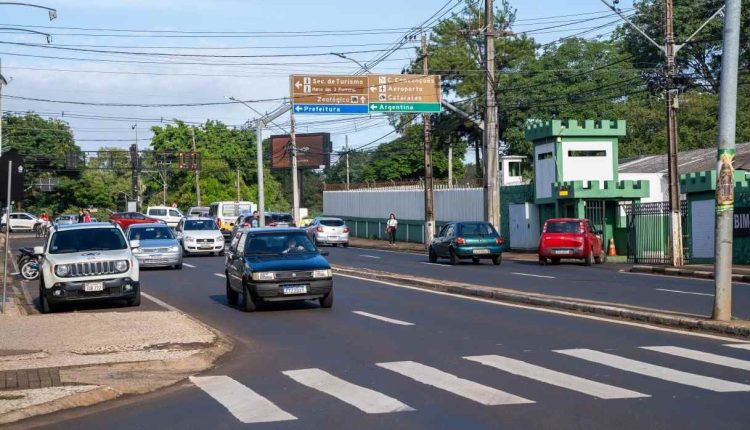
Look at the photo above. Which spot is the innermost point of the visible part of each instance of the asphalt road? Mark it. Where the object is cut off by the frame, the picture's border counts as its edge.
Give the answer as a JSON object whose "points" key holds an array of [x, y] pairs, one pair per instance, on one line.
{"points": [[391, 357], [569, 279]]}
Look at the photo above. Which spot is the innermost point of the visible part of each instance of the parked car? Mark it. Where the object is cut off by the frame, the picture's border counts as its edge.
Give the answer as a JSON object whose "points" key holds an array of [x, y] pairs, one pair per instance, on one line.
{"points": [[327, 230], [171, 216], [276, 264], [200, 236], [225, 213], [279, 219], [198, 212], [20, 221], [570, 238], [126, 219], [66, 219], [475, 240], [87, 261], [158, 246]]}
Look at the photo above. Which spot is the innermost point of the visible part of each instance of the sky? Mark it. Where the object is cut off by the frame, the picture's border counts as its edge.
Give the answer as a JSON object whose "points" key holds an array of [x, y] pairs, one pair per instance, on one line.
{"points": [[240, 28]]}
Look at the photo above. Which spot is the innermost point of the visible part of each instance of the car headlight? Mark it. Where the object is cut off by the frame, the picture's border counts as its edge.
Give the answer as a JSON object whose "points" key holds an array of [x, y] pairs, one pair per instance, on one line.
{"points": [[325, 273], [62, 270], [174, 248], [189, 239], [136, 250], [121, 265], [264, 276]]}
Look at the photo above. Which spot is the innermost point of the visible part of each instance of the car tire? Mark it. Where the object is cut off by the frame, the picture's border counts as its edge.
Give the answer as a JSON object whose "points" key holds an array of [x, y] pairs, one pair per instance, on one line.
{"points": [[178, 266], [453, 257], [185, 253], [497, 259], [44, 305], [248, 305], [232, 296], [327, 300], [598, 259], [135, 301], [475, 260], [542, 261], [432, 255], [222, 253], [589, 260], [555, 261], [345, 244]]}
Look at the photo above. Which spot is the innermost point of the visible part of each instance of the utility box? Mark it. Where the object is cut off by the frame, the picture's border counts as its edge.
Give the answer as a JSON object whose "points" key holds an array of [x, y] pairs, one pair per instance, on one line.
{"points": [[523, 220]]}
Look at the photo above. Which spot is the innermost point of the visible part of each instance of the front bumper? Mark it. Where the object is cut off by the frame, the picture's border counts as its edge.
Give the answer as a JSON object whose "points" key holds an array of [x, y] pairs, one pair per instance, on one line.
{"points": [[469, 251], [159, 260], [274, 292], [73, 291], [197, 248]]}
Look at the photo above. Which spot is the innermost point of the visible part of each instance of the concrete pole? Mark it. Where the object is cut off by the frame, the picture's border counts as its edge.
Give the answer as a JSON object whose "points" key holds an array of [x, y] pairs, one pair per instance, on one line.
{"points": [[491, 191], [2, 82], [429, 198], [7, 236], [724, 170], [259, 161], [450, 164], [295, 180], [347, 161], [197, 172]]}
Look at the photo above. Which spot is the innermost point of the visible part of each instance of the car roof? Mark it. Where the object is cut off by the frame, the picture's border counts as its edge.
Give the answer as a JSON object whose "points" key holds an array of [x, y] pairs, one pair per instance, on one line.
{"points": [[566, 219], [86, 225], [199, 218], [147, 224], [332, 218], [273, 230]]}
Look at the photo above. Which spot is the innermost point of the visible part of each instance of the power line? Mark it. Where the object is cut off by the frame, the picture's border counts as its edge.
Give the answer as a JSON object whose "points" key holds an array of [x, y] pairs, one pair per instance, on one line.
{"points": [[143, 105]]}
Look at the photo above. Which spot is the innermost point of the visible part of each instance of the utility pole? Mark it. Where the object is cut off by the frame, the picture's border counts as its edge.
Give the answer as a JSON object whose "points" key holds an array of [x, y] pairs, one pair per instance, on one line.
{"points": [[2, 82], [347, 161], [491, 191], [197, 173], [675, 215], [450, 164], [725, 171], [135, 167], [429, 198], [295, 181]]}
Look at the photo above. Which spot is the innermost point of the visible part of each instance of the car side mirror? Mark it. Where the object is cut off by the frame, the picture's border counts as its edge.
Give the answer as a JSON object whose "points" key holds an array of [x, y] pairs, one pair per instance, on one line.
{"points": [[38, 250], [135, 244], [325, 253]]}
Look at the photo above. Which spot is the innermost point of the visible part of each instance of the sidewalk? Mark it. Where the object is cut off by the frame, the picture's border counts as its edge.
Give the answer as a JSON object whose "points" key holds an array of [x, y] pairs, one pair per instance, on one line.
{"points": [[740, 273], [419, 248], [59, 361]]}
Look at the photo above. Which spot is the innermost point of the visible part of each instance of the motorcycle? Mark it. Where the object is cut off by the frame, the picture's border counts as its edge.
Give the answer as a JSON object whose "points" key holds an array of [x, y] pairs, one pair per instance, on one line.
{"points": [[28, 264]]}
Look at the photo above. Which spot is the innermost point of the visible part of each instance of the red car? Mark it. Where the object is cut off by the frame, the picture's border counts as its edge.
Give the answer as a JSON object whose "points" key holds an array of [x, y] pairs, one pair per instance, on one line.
{"points": [[570, 238], [126, 219]]}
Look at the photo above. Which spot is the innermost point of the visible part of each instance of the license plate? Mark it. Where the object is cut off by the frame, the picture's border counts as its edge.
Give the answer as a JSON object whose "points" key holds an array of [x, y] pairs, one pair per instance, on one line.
{"points": [[206, 247], [295, 289], [562, 251], [332, 237], [93, 286], [481, 251]]}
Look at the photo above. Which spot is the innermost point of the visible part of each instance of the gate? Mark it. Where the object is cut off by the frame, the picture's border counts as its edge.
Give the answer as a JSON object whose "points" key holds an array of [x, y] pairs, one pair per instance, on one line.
{"points": [[595, 212], [648, 232]]}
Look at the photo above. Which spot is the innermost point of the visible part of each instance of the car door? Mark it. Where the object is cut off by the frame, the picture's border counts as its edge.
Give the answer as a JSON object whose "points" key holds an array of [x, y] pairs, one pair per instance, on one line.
{"points": [[235, 261], [26, 221], [174, 216], [594, 239], [441, 247]]}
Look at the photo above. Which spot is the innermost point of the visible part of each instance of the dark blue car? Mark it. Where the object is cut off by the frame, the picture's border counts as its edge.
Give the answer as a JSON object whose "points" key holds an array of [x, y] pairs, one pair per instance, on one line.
{"points": [[276, 264]]}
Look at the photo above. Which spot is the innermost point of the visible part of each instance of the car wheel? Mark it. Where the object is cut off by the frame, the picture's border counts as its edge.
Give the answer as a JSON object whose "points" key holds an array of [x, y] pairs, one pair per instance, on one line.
{"points": [[135, 301], [497, 259], [432, 255], [589, 260], [327, 300], [232, 296], [248, 305], [44, 305], [185, 253], [555, 260], [335, 245], [453, 257], [542, 261], [178, 266], [345, 244], [475, 260], [222, 253], [598, 259]]}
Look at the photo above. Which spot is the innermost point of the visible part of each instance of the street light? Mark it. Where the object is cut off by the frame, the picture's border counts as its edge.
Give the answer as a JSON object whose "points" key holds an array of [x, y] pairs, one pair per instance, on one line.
{"points": [[363, 66], [52, 12]]}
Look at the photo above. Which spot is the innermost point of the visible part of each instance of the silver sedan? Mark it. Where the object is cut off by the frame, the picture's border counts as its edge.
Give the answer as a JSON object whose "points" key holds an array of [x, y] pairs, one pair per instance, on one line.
{"points": [[157, 246], [328, 231]]}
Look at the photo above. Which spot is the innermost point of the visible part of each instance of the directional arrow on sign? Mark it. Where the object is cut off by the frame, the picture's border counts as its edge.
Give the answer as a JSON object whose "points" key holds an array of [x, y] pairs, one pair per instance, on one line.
{"points": [[297, 84], [373, 89], [297, 108], [374, 107], [362, 99]]}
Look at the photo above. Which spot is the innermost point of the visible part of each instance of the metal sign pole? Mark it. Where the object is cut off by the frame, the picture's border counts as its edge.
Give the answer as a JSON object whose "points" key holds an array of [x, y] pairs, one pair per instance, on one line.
{"points": [[7, 237]]}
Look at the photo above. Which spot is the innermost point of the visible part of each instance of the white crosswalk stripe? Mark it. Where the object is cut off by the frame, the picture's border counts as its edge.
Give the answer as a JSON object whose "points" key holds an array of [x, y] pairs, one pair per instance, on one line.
{"points": [[739, 345], [364, 399], [706, 357], [654, 371], [453, 384], [245, 404], [575, 383]]}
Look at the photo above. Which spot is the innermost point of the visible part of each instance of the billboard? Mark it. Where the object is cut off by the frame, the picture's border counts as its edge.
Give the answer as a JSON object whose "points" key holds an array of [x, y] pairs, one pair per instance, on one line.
{"points": [[313, 151]]}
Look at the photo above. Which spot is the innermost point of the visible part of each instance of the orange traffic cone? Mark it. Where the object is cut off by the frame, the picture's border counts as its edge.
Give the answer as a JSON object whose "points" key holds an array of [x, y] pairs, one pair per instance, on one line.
{"points": [[612, 251]]}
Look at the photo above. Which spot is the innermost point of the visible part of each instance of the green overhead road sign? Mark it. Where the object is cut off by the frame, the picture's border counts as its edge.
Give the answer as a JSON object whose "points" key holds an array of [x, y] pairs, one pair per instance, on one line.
{"points": [[405, 107]]}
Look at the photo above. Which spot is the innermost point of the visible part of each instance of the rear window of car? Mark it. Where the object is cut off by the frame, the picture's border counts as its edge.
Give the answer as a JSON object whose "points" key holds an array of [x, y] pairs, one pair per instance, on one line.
{"points": [[476, 229], [82, 240], [157, 212], [332, 222], [150, 233], [282, 217], [563, 227]]}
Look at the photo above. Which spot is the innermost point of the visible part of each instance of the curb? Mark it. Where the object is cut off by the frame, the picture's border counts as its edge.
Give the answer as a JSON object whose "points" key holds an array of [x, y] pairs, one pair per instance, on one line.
{"points": [[688, 273], [508, 255], [611, 310]]}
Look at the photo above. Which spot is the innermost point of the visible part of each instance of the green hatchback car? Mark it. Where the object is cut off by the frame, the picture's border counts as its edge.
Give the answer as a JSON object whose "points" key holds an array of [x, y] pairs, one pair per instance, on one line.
{"points": [[475, 240]]}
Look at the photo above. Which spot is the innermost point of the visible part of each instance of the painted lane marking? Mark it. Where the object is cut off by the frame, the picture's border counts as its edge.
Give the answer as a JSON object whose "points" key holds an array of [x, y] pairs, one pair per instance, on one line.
{"points": [[705, 357], [739, 345], [434, 264], [387, 250], [684, 292], [531, 274], [453, 384], [552, 377], [370, 256], [245, 404], [220, 275], [545, 310], [382, 318], [188, 265], [654, 371], [364, 399], [160, 302]]}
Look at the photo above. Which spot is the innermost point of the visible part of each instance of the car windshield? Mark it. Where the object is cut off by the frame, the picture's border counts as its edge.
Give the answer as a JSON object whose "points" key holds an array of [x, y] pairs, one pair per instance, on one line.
{"points": [[282, 217], [563, 227], [157, 212], [90, 239], [150, 233], [332, 222], [200, 224], [279, 244], [476, 229]]}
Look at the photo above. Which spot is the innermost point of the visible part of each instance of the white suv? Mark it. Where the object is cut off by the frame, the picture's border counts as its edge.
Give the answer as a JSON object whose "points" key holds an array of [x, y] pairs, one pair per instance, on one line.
{"points": [[171, 216], [90, 261]]}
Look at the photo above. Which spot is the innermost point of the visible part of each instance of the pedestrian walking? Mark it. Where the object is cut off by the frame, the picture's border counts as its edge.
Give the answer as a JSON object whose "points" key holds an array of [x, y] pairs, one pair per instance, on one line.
{"points": [[87, 216], [255, 221], [391, 227]]}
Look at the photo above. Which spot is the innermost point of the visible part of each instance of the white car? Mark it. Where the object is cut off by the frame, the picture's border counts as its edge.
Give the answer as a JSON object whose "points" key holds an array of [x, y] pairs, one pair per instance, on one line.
{"points": [[20, 221], [200, 236], [87, 261], [171, 216]]}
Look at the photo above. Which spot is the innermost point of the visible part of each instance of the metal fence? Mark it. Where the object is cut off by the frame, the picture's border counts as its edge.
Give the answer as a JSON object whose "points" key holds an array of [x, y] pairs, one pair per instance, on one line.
{"points": [[648, 232]]}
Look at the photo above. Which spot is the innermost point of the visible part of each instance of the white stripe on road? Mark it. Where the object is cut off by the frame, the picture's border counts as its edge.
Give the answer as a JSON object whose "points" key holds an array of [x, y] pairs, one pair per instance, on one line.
{"points": [[364, 399], [705, 357], [684, 292], [739, 345], [160, 303], [369, 256], [453, 384], [531, 274], [220, 275], [188, 265], [575, 383], [381, 318], [434, 264], [245, 404], [659, 372]]}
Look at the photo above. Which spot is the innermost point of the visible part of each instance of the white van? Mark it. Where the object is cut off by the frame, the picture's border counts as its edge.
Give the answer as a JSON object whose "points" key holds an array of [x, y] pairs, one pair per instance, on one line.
{"points": [[171, 216], [225, 213]]}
